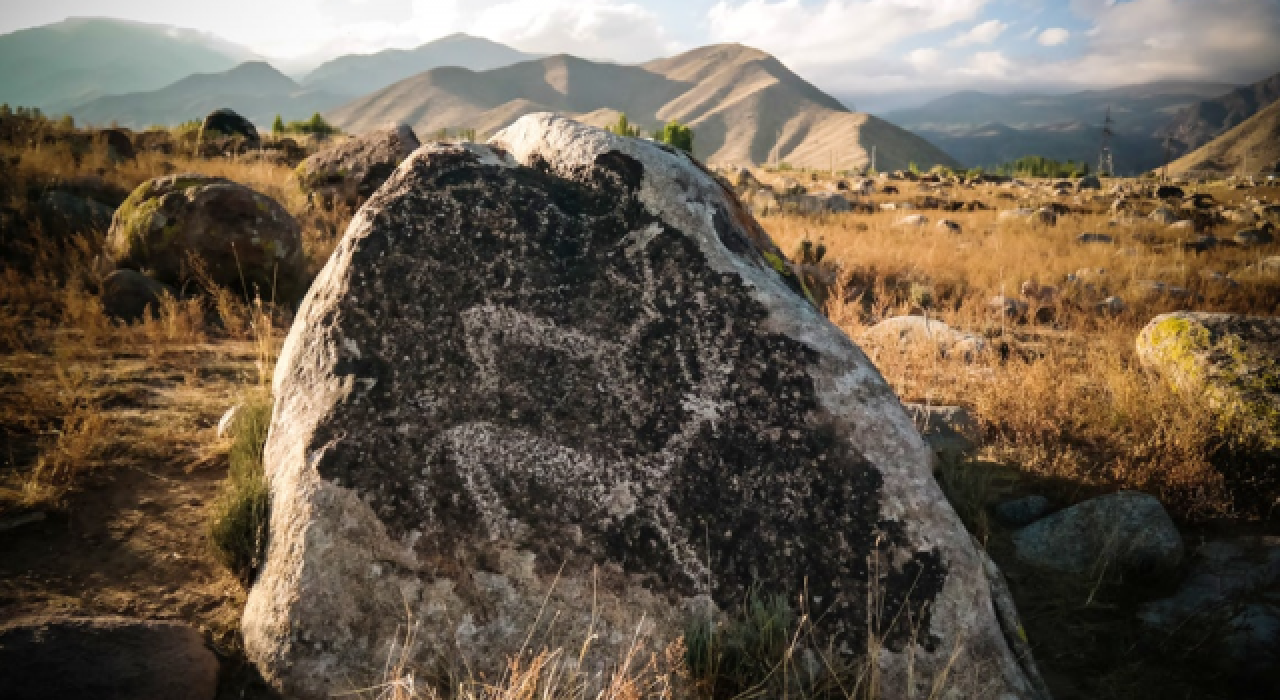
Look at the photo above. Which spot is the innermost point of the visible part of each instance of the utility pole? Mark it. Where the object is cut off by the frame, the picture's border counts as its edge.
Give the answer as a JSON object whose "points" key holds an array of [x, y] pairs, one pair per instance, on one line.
{"points": [[1105, 163], [873, 158], [1164, 176]]}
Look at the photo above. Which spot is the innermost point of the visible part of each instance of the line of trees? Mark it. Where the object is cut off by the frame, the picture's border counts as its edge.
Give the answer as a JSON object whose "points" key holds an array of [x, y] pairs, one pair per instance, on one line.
{"points": [[1040, 166], [315, 125]]}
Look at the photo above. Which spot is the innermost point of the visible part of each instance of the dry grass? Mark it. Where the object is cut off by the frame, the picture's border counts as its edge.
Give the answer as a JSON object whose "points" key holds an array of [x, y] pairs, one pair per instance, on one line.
{"points": [[1060, 393]]}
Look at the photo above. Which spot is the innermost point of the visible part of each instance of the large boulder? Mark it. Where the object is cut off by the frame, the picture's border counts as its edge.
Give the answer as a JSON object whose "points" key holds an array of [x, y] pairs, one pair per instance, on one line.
{"points": [[1235, 358], [1126, 532], [243, 237], [107, 658], [568, 367], [354, 169]]}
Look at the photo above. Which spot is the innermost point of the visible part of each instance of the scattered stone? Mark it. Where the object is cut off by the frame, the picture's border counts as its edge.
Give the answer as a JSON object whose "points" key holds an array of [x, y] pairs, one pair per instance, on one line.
{"points": [[1253, 236], [1085, 238], [1022, 511], [949, 225], [908, 332], [1184, 225], [572, 348], [1128, 532], [1088, 182], [1043, 217], [119, 145], [1154, 288], [1008, 306], [951, 431], [127, 294], [245, 238], [1041, 293], [912, 220], [107, 658], [354, 169], [1169, 192], [1015, 215], [64, 214], [1111, 305], [1236, 582], [1164, 216]]}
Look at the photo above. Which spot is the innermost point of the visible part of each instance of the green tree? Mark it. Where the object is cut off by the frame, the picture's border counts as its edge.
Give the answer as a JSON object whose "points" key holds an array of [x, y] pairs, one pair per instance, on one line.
{"points": [[623, 127], [677, 135], [277, 126], [913, 168], [5, 111]]}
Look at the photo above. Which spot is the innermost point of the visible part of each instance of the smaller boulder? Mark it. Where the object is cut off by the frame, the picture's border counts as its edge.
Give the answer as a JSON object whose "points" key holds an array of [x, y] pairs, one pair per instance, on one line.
{"points": [[951, 431], [1022, 511], [905, 332], [1169, 192], [1164, 216], [223, 123], [1088, 182], [63, 214], [1128, 532], [127, 294], [1252, 237], [1086, 238], [949, 225], [914, 220], [105, 659], [119, 145]]}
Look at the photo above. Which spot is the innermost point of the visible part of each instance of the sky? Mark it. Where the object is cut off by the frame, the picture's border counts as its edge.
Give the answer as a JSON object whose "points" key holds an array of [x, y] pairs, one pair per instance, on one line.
{"points": [[847, 47]]}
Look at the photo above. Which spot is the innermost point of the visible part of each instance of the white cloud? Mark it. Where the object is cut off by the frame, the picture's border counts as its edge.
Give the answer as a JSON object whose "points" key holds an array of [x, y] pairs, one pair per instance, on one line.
{"points": [[924, 60], [588, 28], [1055, 36], [984, 33], [987, 64], [840, 44]]}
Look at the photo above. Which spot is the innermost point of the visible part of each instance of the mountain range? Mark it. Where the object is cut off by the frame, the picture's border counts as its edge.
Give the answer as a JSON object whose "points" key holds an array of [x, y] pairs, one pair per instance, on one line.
{"points": [[62, 65], [988, 129], [744, 106]]}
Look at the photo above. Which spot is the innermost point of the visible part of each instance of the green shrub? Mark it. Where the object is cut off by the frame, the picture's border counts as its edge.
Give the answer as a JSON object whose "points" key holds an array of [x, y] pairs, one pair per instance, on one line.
{"points": [[238, 520], [624, 127], [677, 135]]}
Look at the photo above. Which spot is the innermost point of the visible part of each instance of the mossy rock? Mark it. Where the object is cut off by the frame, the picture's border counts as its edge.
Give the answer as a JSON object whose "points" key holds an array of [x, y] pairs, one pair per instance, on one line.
{"points": [[1235, 358], [247, 241]]}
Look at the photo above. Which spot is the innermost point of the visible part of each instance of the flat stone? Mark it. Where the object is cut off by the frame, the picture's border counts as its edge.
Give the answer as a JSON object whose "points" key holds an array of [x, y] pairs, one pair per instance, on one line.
{"points": [[1126, 531]]}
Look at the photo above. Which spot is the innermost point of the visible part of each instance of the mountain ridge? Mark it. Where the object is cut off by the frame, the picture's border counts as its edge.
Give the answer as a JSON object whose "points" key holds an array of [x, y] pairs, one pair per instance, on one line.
{"points": [[744, 105]]}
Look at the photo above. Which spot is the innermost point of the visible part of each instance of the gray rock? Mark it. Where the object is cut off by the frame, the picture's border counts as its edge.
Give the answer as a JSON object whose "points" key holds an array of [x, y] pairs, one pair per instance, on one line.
{"points": [[1235, 582], [951, 431], [1164, 216], [908, 332], [949, 225], [1043, 217], [126, 294], [599, 364], [1088, 182], [1020, 214], [1022, 511], [354, 169], [1095, 238], [1111, 305], [1127, 532], [912, 220], [1008, 306], [245, 238], [64, 214], [108, 658], [1252, 237]]}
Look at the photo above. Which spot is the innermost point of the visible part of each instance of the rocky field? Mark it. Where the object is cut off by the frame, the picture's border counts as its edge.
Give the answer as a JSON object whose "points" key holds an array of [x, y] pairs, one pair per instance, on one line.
{"points": [[572, 416]]}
